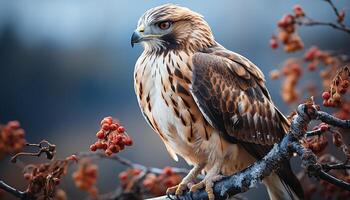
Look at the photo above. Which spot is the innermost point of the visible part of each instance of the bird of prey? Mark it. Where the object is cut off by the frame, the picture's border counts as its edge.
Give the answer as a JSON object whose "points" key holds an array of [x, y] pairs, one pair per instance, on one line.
{"points": [[209, 105]]}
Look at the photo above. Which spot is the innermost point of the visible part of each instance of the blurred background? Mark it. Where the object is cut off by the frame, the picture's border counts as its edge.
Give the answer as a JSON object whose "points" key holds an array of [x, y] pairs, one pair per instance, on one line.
{"points": [[64, 65]]}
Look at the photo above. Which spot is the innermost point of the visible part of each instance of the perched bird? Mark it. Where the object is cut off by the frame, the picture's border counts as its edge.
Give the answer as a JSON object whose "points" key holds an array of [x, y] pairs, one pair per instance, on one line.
{"points": [[209, 105]]}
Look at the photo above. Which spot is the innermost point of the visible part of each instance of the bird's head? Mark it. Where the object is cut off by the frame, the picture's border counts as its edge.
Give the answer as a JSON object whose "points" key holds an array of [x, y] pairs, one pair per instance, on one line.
{"points": [[169, 27]]}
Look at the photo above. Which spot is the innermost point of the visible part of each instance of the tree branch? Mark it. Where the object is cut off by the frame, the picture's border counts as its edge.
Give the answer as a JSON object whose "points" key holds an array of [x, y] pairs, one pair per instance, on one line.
{"points": [[310, 22], [335, 10], [17, 193], [339, 25], [130, 164], [290, 144]]}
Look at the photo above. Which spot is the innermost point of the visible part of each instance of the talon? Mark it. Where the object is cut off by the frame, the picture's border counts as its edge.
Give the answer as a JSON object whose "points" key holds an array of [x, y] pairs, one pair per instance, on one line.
{"points": [[208, 183], [171, 190], [209, 189], [180, 189], [197, 186], [177, 189]]}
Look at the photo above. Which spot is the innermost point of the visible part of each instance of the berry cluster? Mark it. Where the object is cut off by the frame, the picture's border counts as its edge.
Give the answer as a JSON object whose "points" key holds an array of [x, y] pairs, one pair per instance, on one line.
{"points": [[158, 184], [292, 72], [11, 138], [85, 177], [338, 87], [44, 178], [128, 178], [112, 137], [287, 33], [316, 56]]}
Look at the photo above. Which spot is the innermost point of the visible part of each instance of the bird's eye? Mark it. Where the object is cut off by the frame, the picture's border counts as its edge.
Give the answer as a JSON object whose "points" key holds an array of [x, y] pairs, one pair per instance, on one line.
{"points": [[164, 25]]}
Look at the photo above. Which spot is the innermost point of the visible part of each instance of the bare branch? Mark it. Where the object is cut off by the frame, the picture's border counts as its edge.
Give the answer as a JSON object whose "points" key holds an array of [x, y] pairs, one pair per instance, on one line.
{"points": [[335, 9], [130, 164], [331, 179], [339, 24], [328, 167], [290, 144], [331, 120], [11, 190], [310, 22], [44, 147]]}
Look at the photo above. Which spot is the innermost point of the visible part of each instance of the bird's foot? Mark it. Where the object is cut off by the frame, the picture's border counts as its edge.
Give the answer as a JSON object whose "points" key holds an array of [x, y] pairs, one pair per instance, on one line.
{"points": [[186, 182], [208, 184], [178, 189]]}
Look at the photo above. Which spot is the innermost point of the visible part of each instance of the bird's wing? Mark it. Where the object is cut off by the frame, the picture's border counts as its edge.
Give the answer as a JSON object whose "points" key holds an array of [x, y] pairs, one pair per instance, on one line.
{"points": [[230, 92]]}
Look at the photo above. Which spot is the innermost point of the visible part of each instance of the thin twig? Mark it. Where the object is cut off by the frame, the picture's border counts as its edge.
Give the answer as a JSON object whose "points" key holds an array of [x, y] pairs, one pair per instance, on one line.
{"points": [[15, 192], [331, 179], [339, 25], [310, 22], [44, 147], [335, 10], [130, 164], [328, 167]]}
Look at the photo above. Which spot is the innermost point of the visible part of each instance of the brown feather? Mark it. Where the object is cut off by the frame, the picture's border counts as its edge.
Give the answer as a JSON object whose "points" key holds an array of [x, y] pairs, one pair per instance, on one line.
{"points": [[235, 111]]}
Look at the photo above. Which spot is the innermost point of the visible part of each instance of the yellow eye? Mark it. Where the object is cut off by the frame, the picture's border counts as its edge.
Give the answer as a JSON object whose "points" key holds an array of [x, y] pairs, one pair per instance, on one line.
{"points": [[164, 25]]}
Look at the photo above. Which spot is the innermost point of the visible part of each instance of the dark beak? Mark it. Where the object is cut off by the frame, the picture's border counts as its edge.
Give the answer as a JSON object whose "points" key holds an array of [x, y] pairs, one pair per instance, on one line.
{"points": [[135, 38]]}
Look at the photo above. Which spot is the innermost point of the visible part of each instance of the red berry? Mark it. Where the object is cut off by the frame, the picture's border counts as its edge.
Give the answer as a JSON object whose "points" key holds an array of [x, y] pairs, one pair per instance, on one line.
{"points": [[105, 127], [99, 145], [298, 11], [108, 152], [312, 66], [324, 127], [331, 103], [137, 171], [107, 120], [93, 147], [169, 183], [114, 127], [167, 170], [114, 148], [310, 54], [121, 146], [128, 141], [27, 176], [121, 129], [100, 134], [123, 176], [13, 124], [273, 43], [104, 146], [326, 95], [341, 16]]}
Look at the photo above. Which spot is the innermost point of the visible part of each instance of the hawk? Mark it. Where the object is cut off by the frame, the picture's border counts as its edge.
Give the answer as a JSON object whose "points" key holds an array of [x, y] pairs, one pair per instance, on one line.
{"points": [[209, 105]]}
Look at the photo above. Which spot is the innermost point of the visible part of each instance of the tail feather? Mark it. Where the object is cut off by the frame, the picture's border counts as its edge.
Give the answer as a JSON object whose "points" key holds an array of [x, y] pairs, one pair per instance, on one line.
{"points": [[284, 185]]}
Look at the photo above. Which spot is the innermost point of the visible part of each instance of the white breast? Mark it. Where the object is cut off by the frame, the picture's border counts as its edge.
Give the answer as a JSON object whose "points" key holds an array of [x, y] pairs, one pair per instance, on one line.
{"points": [[151, 72]]}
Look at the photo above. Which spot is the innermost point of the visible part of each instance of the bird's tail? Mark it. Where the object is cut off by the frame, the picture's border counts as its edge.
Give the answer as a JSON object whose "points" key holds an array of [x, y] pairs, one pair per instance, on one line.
{"points": [[284, 185]]}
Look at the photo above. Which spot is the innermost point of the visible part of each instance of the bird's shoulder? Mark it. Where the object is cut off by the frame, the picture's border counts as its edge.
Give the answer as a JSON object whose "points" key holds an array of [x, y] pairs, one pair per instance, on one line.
{"points": [[220, 54]]}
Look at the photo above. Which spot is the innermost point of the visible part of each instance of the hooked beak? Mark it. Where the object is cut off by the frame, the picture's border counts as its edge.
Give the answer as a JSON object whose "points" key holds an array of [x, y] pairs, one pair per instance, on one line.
{"points": [[136, 38]]}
